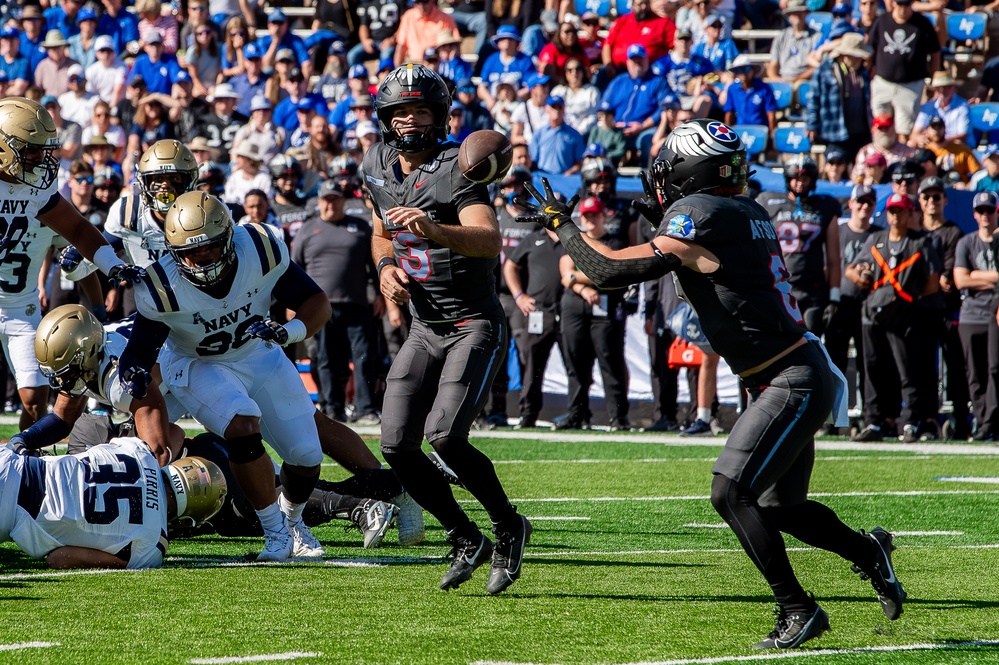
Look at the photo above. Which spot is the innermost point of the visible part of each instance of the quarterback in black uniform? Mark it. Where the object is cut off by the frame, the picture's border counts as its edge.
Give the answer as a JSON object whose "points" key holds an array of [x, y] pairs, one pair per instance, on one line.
{"points": [[435, 244], [728, 260], [808, 230]]}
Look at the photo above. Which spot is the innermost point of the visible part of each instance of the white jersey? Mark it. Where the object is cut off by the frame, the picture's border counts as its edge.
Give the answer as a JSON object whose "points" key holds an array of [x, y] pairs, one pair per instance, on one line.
{"points": [[132, 220], [20, 206], [110, 498], [106, 388], [20, 267], [203, 327]]}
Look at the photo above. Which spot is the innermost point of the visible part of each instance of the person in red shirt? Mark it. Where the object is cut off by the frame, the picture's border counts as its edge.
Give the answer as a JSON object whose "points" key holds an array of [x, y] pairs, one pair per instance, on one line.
{"points": [[641, 26], [564, 46]]}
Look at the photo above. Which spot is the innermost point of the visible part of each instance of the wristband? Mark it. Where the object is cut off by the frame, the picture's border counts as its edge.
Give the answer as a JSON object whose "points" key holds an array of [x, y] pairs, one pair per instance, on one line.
{"points": [[834, 294], [386, 261], [106, 259], [296, 331], [517, 297]]}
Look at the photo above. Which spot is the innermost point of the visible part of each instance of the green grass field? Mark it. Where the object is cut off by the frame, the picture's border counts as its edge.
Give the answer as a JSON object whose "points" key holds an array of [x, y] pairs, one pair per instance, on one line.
{"points": [[628, 564]]}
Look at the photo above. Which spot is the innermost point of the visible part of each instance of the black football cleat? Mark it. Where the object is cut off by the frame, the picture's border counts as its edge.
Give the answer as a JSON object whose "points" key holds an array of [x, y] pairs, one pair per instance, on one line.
{"points": [[793, 630], [468, 555], [508, 555], [882, 574]]}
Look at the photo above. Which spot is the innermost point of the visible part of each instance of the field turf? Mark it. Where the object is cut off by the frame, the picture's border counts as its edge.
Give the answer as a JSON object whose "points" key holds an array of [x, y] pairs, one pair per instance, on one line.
{"points": [[629, 563]]}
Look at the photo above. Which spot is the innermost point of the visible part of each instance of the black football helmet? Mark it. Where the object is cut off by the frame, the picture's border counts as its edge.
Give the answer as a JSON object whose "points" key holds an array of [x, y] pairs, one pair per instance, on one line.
{"points": [[798, 166], [407, 85], [700, 156], [211, 178]]}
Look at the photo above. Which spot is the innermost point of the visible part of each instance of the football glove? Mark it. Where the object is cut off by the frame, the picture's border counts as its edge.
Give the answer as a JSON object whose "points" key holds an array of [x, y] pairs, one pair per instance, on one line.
{"points": [[124, 274], [649, 207], [101, 312], [135, 381], [70, 259], [549, 212], [269, 330]]}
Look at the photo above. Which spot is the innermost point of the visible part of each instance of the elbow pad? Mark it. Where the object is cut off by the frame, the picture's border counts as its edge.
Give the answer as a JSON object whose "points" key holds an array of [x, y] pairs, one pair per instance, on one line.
{"points": [[609, 273]]}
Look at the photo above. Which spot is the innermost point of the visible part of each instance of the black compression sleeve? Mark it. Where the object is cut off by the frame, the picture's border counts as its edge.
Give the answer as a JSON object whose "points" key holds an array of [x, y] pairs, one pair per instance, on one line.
{"points": [[144, 343], [609, 273], [295, 287]]}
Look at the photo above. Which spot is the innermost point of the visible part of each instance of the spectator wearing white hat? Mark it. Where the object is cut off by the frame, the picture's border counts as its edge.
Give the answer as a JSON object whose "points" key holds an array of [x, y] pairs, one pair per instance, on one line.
{"points": [[51, 73], [789, 52], [246, 174], [367, 135], [78, 104], [220, 126], [261, 129], [944, 103], [106, 76], [82, 46]]}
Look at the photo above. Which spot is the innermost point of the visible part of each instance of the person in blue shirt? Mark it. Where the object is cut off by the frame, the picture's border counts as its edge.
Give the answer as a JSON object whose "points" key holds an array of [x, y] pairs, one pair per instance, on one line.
{"points": [[13, 64], [452, 65], [342, 117], [683, 72], [297, 87], [557, 147], [251, 82], [32, 35], [507, 63], [63, 17], [278, 37], [83, 51], [634, 96], [456, 123], [719, 52], [120, 25], [748, 100], [155, 67]]}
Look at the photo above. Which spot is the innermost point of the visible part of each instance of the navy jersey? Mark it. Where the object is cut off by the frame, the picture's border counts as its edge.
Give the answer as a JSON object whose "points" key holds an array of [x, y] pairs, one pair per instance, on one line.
{"points": [[444, 285], [802, 234], [745, 307]]}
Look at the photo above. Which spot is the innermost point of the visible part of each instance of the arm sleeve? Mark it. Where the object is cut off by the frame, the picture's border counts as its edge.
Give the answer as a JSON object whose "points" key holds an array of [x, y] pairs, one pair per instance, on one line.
{"points": [[295, 287], [144, 343]]}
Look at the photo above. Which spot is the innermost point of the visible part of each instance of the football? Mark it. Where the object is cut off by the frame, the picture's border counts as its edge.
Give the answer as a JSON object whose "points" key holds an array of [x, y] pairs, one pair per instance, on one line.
{"points": [[485, 156]]}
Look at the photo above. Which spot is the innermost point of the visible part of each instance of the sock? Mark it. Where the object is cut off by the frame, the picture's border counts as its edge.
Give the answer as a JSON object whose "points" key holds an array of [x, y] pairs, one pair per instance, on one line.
{"points": [[816, 524], [704, 414], [293, 511], [427, 487], [271, 518], [325, 506], [478, 476], [378, 484]]}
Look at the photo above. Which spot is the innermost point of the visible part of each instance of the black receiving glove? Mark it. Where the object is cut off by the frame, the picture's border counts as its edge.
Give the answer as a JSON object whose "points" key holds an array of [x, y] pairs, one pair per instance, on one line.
{"points": [[549, 212], [649, 207], [124, 274], [135, 381]]}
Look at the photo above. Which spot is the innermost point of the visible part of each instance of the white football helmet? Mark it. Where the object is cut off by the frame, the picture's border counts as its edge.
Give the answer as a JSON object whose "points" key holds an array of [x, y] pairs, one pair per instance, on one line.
{"points": [[199, 487]]}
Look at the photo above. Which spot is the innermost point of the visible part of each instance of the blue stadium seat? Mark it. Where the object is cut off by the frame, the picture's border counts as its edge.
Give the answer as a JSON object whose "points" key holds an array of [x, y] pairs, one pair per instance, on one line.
{"points": [[985, 117], [966, 26], [792, 140], [782, 93], [598, 7], [754, 137], [820, 22]]}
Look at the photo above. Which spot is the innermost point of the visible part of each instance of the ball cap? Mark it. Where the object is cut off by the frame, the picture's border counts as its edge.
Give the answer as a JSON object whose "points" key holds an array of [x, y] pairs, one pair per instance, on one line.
{"points": [[862, 192], [591, 204], [985, 200], [330, 188], [899, 201], [555, 100], [876, 159], [358, 72], [595, 150], [884, 121], [932, 182], [104, 43], [637, 51]]}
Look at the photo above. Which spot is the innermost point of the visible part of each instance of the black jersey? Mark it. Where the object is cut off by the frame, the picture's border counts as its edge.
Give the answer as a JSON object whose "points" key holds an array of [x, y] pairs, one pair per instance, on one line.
{"points": [[745, 307], [802, 234], [850, 244], [444, 285]]}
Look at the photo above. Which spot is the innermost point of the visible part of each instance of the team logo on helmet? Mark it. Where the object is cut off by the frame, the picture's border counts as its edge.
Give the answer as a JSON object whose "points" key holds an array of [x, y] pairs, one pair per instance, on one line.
{"points": [[722, 132]]}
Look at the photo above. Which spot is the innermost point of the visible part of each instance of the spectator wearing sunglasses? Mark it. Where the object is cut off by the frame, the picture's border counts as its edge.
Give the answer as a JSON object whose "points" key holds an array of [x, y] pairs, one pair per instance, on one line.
{"points": [[77, 104], [885, 142], [834, 168]]}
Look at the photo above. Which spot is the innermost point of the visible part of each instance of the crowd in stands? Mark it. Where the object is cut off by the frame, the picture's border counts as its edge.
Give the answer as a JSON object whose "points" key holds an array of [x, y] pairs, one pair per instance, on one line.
{"points": [[274, 105]]}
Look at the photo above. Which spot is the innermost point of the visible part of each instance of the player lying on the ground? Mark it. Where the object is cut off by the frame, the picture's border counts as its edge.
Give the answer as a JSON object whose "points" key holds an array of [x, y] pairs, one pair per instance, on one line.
{"points": [[108, 507], [726, 256]]}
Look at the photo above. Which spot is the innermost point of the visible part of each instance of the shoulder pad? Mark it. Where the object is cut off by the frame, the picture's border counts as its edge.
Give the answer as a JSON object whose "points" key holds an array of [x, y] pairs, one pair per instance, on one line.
{"points": [[159, 288], [130, 205], [268, 248]]}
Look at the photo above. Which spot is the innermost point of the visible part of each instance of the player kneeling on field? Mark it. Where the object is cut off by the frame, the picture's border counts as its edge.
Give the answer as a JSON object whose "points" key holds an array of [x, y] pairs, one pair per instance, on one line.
{"points": [[209, 297], [106, 508]]}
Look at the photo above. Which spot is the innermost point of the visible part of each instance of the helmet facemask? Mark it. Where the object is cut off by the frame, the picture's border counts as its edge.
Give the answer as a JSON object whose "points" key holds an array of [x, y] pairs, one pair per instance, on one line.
{"points": [[422, 138], [161, 188], [34, 165], [71, 379], [196, 246]]}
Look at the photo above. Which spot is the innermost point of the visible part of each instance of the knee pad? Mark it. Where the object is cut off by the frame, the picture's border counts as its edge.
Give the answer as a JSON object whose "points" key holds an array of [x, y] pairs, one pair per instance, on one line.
{"points": [[297, 487], [245, 449]]}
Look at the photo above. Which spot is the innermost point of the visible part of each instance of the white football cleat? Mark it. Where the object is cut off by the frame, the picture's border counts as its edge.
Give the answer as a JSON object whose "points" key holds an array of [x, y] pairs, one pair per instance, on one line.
{"points": [[278, 546], [305, 544], [410, 522], [373, 518]]}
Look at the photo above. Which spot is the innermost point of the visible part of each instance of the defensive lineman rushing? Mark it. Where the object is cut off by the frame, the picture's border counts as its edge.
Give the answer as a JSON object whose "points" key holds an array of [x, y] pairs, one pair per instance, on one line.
{"points": [[106, 508], [435, 244], [726, 255], [209, 298], [30, 211]]}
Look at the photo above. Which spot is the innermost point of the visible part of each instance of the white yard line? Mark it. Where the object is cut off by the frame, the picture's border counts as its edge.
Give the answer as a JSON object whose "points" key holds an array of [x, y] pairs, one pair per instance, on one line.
{"points": [[969, 479], [290, 655], [607, 499], [27, 645], [535, 518], [805, 653]]}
